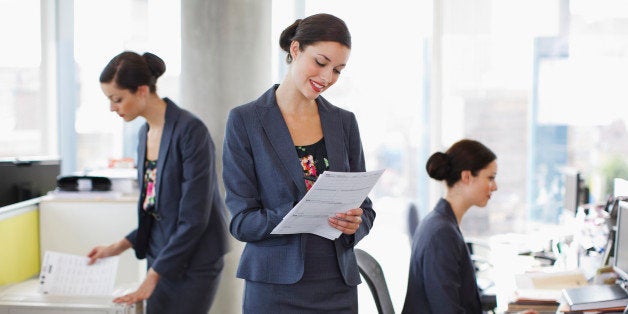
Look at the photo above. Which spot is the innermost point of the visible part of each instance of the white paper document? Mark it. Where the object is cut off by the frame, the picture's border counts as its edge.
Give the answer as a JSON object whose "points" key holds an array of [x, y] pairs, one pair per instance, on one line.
{"points": [[333, 192], [68, 274]]}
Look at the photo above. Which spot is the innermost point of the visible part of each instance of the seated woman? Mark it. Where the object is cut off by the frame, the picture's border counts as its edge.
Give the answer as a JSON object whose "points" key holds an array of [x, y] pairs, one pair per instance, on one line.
{"points": [[441, 277]]}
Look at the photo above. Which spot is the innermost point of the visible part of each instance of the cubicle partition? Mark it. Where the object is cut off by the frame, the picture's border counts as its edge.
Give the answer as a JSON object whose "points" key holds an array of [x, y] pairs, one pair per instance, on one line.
{"points": [[19, 242]]}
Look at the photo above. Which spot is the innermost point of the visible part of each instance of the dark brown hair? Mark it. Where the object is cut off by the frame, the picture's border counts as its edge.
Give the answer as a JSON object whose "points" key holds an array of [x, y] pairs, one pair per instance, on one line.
{"points": [[129, 71], [464, 155], [312, 29]]}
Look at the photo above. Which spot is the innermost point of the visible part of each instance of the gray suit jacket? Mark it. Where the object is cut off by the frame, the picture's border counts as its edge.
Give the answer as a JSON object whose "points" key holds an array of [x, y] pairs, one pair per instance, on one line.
{"points": [[264, 180], [191, 230], [441, 277]]}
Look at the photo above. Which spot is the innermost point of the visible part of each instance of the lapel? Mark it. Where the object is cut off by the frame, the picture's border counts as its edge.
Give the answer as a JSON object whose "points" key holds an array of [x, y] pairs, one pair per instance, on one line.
{"points": [[172, 114], [279, 137], [277, 132], [332, 131]]}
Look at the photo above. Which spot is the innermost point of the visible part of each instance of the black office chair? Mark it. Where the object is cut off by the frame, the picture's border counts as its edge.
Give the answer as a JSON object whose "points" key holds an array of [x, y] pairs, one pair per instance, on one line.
{"points": [[413, 219], [372, 273]]}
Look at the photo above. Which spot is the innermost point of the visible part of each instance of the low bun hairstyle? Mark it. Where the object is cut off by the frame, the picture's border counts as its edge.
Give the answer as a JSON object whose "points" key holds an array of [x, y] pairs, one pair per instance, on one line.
{"points": [[312, 29], [464, 155], [129, 70]]}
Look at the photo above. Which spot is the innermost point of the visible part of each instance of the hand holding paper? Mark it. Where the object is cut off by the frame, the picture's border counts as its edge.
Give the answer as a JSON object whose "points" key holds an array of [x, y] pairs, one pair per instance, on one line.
{"points": [[68, 274], [333, 192]]}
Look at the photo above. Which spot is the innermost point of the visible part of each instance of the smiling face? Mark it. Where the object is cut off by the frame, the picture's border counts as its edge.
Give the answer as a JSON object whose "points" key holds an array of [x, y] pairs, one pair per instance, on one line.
{"points": [[126, 104], [318, 66], [483, 184]]}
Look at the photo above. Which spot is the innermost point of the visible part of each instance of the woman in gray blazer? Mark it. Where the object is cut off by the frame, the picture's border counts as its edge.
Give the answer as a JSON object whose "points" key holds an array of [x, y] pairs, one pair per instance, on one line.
{"points": [[182, 225], [275, 147], [441, 277]]}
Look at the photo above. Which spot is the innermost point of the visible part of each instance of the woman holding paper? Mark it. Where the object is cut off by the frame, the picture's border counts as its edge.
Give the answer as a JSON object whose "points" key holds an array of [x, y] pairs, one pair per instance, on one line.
{"points": [[275, 147], [182, 228]]}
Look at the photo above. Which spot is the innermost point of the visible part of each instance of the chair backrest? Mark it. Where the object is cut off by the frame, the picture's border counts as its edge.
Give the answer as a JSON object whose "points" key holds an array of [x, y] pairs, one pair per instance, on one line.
{"points": [[413, 219], [374, 276]]}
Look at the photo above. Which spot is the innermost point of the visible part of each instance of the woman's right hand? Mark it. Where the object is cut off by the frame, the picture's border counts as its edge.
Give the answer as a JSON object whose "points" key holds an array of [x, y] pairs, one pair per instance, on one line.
{"points": [[109, 250]]}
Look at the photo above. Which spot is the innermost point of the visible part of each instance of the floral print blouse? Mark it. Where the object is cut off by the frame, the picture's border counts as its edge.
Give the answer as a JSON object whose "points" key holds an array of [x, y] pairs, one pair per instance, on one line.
{"points": [[313, 159], [150, 178]]}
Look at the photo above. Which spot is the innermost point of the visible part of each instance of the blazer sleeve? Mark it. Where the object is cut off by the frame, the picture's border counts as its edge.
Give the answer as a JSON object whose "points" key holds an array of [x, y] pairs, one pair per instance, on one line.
{"points": [[197, 156], [357, 164], [250, 220]]}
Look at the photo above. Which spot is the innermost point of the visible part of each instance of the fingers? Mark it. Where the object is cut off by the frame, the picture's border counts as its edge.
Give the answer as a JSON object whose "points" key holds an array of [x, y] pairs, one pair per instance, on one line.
{"points": [[129, 299], [93, 255], [349, 222]]}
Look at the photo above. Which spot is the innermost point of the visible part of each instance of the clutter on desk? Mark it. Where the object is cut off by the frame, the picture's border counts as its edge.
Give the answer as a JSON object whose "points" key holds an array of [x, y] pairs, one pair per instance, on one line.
{"points": [[83, 183], [110, 183], [541, 290]]}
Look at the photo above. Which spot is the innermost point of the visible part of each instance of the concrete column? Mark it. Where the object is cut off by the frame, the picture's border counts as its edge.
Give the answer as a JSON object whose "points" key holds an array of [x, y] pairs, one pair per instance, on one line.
{"points": [[225, 62]]}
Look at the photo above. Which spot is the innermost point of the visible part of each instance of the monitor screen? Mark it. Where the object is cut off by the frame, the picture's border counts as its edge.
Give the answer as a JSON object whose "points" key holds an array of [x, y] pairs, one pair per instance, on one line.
{"points": [[26, 179], [571, 194], [620, 262]]}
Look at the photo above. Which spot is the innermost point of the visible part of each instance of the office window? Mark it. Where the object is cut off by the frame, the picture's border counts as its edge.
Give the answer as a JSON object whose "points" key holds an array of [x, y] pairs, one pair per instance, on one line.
{"points": [[542, 83], [102, 30], [546, 96], [27, 119]]}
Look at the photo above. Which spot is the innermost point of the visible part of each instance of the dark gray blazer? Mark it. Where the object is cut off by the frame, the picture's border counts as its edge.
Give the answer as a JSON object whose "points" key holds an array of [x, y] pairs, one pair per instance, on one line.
{"points": [[191, 231], [441, 277], [264, 180]]}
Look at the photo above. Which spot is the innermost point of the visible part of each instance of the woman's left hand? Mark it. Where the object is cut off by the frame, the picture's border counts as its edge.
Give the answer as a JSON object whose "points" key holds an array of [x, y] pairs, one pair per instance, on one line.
{"points": [[347, 222], [143, 292]]}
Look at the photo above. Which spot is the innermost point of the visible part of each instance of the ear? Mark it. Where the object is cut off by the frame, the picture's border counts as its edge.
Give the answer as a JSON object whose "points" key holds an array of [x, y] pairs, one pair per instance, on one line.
{"points": [[465, 176], [143, 90], [295, 48]]}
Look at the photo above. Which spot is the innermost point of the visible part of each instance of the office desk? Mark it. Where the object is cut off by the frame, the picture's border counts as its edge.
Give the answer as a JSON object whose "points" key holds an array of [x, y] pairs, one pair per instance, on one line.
{"points": [[24, 297], [507, 264]]}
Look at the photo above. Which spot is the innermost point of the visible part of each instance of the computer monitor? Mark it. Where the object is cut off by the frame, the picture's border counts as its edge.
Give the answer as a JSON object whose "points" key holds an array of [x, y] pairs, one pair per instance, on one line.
{"points": [[572, 190], [620, 261], [24, 179]]}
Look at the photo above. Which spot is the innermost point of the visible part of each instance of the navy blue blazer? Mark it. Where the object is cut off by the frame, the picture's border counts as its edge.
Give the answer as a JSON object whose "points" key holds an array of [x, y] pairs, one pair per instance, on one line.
{"points": [[442, 277], [264, 180], [191, 231]]}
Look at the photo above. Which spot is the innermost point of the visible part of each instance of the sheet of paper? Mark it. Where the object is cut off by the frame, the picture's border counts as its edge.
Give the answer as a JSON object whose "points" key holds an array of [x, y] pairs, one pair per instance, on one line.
{"points": [[68, 274], [333, 192]]}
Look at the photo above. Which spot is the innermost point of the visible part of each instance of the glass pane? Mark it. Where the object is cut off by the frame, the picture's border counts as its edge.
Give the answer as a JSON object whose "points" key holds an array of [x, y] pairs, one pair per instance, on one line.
{"points": [[140, 26], [27, 123], [549, 99]]}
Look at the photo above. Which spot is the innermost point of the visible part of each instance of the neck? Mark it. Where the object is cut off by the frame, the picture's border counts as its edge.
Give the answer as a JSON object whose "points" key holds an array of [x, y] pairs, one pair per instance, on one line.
{"points": [[458, 203], [291, 100], [155, 114]]}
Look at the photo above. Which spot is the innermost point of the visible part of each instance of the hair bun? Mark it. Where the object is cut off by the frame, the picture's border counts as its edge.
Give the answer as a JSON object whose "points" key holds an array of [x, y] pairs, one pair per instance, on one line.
{"points": [[156, 65], [438, 166]]}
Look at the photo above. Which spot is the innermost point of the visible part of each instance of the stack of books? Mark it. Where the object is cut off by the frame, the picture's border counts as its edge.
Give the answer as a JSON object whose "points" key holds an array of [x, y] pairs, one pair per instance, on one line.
{"points": [[595, 299], [541, 290], [542, 307], [543, 301]]}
